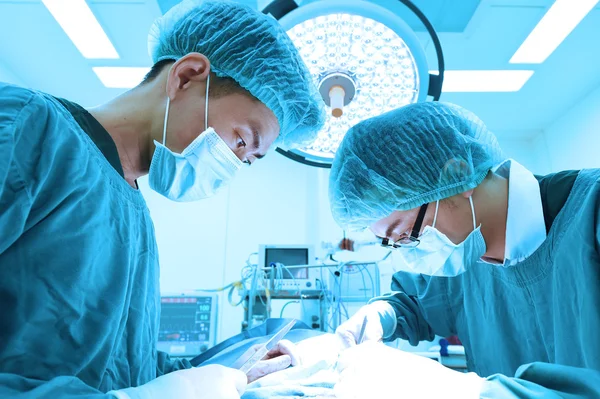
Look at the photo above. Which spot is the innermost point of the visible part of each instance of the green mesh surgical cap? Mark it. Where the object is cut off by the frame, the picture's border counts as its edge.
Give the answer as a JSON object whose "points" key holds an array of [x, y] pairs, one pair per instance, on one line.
{"points": [[407, 157], [251, 48]]}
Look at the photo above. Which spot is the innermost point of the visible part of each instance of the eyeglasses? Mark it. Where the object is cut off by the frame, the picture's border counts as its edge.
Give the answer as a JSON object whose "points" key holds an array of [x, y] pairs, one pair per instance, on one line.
{"points": [[408, 240]]}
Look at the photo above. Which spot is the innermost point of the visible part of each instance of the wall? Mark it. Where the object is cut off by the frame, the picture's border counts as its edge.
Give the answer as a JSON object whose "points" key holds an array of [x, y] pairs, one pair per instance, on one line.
{"points": [[573, 140], [530, 151], [8, 76]]}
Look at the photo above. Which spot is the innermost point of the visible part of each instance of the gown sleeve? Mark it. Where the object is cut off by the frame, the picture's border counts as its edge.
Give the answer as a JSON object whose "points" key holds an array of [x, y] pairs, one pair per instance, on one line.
{"points": [[544, 380], [21, 116], [64, 387], [15, 199], [411, 314], [165, 364]]}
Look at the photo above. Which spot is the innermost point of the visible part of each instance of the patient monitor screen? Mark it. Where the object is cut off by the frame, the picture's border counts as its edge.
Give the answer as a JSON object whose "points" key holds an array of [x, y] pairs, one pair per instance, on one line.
{"points": [[185, 319]]}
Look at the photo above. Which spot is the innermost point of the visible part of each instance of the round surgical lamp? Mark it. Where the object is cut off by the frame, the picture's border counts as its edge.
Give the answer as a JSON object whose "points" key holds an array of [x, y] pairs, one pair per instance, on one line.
{"points": [[364, 59]]}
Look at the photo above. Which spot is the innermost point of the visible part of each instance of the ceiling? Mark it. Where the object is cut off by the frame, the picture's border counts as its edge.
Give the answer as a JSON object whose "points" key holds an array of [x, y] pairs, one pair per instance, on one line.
{"points": [[35, 52]]}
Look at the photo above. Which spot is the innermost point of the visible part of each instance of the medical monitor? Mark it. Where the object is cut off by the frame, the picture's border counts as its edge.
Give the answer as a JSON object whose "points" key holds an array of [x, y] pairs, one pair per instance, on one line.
{"points": [[289, 255], [187, 324]]}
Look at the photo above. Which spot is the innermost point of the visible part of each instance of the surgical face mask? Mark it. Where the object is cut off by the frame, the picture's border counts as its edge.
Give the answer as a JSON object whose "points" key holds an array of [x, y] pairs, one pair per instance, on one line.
{"points": [[436, 255], [204, 166]]}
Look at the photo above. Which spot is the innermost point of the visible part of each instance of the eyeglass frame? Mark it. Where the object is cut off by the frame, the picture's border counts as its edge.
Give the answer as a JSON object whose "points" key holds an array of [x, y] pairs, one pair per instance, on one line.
{"points": [[412, 239]]}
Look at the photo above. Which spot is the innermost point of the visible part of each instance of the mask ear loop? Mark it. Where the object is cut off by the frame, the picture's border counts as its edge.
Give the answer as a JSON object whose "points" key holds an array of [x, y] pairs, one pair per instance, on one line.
{"points": [[206, 104], [164, 141], [437, 207], [473, 213]]}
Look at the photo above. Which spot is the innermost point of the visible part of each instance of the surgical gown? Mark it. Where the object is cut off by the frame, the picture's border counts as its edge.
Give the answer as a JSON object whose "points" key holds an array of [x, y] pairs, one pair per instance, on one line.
{"points": [[79, 271], [531, 329]]}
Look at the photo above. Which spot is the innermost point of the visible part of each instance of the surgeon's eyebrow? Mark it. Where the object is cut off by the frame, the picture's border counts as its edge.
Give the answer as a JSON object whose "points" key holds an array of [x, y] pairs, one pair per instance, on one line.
{"points": [[390, 230], [256, 139]]}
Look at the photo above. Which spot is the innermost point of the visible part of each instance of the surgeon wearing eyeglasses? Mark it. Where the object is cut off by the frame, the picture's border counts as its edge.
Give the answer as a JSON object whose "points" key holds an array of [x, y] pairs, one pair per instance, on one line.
{"points": [[507, 261]]}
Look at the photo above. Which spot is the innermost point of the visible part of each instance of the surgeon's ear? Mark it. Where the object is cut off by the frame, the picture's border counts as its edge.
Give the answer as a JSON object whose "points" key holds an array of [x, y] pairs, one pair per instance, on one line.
{"points": [[455, 167], [468, 194], [190, 69]]}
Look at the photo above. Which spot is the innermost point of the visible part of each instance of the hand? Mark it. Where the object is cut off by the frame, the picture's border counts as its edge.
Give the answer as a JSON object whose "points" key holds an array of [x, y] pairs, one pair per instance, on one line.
{"points": [[282, 356], [208, 382], [374, 370], [349, 331]]}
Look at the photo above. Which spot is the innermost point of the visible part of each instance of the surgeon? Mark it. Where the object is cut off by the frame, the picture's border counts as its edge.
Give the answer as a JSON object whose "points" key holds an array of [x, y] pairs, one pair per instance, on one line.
{"points": [[508, 261], [79, 273]]}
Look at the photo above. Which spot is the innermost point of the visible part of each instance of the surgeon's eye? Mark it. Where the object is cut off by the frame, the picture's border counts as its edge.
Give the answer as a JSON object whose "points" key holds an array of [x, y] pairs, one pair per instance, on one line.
{"points": [[241, 143], [247, 162]]}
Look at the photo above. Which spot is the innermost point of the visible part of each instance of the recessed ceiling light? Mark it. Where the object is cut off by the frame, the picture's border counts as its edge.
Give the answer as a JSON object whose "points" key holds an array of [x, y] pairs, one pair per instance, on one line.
{"points": [[82, 27]]}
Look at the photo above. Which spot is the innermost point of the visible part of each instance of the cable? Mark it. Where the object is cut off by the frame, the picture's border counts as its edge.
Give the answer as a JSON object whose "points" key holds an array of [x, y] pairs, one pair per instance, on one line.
{"points": [[341, 301], [252, 298], [362, 276], [327, 317], [336, 308], [345, 310], [284, 306], [373, 293], [324, 293], [238, 285], [363, 269], [298, 289], [219, 289], [326, 320], [338, 285]]}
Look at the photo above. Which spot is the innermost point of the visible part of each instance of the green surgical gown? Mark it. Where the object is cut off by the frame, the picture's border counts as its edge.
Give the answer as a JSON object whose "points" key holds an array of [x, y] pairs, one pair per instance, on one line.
{"points": [[532, 329], [79, 277]]}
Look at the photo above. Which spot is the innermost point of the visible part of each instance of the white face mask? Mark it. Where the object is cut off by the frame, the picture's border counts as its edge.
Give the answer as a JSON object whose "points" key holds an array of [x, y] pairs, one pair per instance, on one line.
{"points": [[204, 166], [436, 255]]}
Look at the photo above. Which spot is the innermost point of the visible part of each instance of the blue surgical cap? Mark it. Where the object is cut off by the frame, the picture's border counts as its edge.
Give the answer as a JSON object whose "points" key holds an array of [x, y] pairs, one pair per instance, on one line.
{"points": [[251, 48], [407, 157]]}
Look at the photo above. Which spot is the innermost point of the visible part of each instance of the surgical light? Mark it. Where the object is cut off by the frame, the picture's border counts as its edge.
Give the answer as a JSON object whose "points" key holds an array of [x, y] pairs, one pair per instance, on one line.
{"points": [[364, 59], [82, 27]]}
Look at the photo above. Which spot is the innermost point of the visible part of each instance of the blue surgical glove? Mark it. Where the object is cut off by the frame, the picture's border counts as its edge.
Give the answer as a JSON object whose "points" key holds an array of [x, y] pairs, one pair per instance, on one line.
{"points": [[208, 382]]}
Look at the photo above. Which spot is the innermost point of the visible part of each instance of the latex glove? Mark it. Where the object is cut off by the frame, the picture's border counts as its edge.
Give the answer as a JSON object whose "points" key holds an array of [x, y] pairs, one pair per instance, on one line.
{"points": [[381, 323], [326, 347], [282, 356], [374, 370], [208, 382]]}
